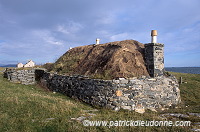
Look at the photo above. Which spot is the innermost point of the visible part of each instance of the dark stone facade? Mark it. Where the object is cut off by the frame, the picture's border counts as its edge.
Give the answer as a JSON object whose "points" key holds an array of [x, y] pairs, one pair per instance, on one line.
{"points": [[132, 94], [154, 59]]}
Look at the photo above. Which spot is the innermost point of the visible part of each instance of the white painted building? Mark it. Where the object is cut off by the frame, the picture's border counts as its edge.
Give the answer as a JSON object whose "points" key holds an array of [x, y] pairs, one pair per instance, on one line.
{"points": [[30, 64], [20, 65]]}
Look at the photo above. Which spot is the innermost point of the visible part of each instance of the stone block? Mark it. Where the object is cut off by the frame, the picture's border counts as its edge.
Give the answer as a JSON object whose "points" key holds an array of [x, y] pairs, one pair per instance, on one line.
{"points": [[126, 107], [116, 108], [115, 103], [131, 103], [118, 93], [116, 81], [132, 81], [140, 110], [124, 81]]}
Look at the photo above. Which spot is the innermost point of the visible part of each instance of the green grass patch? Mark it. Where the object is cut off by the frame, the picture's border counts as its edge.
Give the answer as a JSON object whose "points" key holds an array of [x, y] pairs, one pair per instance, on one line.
{"points": [[2, 69]]}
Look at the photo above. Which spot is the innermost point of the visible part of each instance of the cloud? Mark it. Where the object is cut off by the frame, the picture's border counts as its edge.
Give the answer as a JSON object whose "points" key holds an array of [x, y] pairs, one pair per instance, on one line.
{"points": [[51, 27], [47, 37], [69, 28], [62, 29]]}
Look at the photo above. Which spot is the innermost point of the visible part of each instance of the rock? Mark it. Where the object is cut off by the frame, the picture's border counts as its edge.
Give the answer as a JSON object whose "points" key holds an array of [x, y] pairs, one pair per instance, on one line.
{"points": [[111, 99], [91, 114], [116, 109], [152, 79], [152, 109], [81, 118], [116, 103], [130, 102], [126, 107], [109, 106], [124, 98], [118, 93], [48, 119], [184, 116], [194, 114], [130, 96], [116, 81], [132, 81], [197, 123], [195, 130], [123, 81], [140, 110], [177, 115], [93, 110], [133, 107]]}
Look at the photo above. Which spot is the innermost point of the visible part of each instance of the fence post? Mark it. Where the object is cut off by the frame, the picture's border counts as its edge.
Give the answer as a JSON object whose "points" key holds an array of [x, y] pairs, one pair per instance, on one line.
{"points": [[181, 80]]}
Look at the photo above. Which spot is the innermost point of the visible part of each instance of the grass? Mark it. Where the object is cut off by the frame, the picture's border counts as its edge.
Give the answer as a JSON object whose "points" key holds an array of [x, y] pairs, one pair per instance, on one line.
{"points": [[31, 108], [66, 64], [190, 89], [1, 68]]}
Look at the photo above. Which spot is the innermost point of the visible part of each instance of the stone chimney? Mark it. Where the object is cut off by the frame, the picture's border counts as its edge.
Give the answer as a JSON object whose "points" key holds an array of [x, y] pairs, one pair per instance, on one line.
{"points": [[154, 56]]}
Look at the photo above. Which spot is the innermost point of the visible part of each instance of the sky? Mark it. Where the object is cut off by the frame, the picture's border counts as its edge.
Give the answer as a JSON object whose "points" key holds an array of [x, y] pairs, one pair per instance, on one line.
{"points": [[43, 30]]}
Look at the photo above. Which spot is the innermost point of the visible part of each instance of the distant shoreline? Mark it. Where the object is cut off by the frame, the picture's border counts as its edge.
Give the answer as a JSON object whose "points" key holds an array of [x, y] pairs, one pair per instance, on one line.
{"points": [[191, 70], [8, 65]]}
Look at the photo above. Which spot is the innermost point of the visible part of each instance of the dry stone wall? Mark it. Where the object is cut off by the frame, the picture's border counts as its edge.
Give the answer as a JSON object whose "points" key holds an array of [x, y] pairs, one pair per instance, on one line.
{"points": [[132, 94], [26, 77]]}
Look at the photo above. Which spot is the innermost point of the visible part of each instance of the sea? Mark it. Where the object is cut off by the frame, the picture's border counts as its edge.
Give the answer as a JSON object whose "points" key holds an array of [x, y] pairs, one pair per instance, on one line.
{"points": [[192, 70]]}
